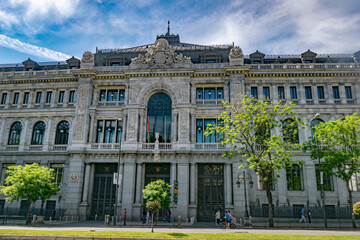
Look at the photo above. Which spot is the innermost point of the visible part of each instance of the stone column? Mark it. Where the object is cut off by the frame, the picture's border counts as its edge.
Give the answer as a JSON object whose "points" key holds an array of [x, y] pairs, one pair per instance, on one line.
{"points": [[128, 189], [174, 128], [49, 127], [282, 187], [172, 178], [24, 135], [183, 195], [192, 184], [92, 128], [193, 94], [183, 128], [132, 128], [226, 92], [84, 203], [53, 98], [2, 133], [228, 188], [310, 183], [342, 93], [138, 182]]}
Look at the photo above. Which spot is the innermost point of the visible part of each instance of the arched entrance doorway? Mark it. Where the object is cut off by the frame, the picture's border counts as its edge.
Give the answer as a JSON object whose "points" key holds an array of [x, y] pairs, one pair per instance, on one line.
{"points": [[159, 118]]}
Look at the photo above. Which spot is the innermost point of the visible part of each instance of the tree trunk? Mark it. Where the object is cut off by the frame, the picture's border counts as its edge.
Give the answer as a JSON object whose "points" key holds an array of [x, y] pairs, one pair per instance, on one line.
{"points": [[271, 212], [42, 209], [152, 222], [28, 213], [351, 205]]}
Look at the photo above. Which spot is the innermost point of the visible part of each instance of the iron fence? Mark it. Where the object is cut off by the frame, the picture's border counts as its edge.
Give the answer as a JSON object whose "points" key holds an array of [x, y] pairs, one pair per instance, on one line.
{"points": [[332, 211], [33, 211]]}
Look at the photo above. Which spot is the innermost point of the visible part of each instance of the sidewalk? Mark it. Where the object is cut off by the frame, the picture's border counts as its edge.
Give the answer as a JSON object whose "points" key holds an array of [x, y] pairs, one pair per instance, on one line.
{"points": [[195, 228]]}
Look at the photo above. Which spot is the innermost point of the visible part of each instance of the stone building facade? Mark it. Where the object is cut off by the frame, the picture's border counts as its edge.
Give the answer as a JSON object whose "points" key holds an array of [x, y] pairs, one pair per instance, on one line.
{"points": [[155, 101]]}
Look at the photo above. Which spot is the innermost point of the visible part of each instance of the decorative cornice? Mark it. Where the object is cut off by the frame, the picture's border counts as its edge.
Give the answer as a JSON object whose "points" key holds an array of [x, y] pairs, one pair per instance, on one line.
{"points": [[37, 80], [302, 74]]}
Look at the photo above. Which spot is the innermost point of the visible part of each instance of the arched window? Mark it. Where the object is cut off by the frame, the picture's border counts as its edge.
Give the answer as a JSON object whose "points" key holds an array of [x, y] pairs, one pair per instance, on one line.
{"points": [[15, 134], [290, 131], [159, 118], [38, 133], [62, 133], [314, 123]]}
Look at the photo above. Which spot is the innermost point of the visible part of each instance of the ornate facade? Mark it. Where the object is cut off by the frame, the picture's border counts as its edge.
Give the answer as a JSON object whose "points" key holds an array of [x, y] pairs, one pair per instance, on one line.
{"points": [[155, 102]]}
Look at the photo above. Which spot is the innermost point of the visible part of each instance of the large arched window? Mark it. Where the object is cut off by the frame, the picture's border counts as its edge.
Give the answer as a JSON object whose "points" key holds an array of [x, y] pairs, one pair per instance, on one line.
{"points": [[38, 133], [290, 131], [15, 134], [159, 118], [62, 133], [313, 124]]}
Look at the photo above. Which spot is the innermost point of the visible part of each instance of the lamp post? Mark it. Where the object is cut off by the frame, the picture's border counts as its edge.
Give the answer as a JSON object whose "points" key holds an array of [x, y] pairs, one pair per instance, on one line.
{"points": [[321, 176], [118, 171], [241, 179]]}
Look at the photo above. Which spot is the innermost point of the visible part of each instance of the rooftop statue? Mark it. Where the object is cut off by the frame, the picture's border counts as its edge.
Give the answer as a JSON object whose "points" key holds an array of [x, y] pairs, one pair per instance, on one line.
{"points": [[236, 56], [161, 54]]}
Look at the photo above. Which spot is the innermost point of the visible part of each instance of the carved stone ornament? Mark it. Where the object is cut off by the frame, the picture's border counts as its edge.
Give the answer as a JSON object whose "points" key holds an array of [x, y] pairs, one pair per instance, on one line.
{"points": [[236, 56], [161, 54], [74, 177], [87, 57]]}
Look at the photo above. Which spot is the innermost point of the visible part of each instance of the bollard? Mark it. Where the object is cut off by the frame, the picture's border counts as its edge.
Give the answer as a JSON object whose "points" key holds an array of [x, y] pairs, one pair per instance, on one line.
{"points": [[179, 221], [107, 220]]}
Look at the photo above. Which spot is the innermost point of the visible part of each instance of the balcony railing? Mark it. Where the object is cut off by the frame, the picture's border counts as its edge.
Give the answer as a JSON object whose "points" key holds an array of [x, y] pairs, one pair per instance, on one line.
{"points": [[110, 103], [209, 101], [34, 73], [305, 66], [10, 148], [209, 146], [36, 148], [59, 148]]}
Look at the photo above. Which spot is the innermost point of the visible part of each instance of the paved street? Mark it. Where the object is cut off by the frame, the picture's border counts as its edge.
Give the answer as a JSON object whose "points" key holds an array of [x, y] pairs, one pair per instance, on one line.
{"points": [[196, 228]]}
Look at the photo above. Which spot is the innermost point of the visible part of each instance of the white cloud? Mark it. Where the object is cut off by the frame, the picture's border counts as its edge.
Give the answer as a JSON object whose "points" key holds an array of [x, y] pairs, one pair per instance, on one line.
{"points": [[7, 19], [32, 49]]}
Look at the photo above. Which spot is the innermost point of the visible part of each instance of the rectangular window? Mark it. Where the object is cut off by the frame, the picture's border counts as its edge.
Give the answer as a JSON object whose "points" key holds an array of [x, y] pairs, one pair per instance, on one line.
{"points": [[328, 184], [121, 95], [102, 95], [16, 98], [108, 131], [72, 97], [26, 98], [38, 97], [320, 91], [266, 92], [254, 92], [355, 182], [261, 183], [48, 97], [293, 93], [112, 95], [4, 174], [3, 98], [58, 172], [336, 94], [201, 125], [281, 92], [210, 93], [308, 94], [294, 177], [61, 96], [348, 92]]}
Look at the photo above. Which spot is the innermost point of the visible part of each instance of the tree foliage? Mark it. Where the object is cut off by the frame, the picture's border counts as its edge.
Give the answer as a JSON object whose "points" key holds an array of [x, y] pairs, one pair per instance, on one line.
{"points": [[250, 130], [338, 143], [357, 208], [158, 191], [29, 182]]}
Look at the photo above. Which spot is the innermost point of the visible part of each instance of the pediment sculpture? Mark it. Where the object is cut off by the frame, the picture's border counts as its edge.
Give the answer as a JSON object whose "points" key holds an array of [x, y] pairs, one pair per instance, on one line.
{"points": [[87, 60], [236, 56], [161, 54]]}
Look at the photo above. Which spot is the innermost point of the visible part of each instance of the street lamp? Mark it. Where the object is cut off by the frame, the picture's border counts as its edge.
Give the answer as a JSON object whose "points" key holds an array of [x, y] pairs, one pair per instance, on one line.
{"points": [[241, 179], [317, 115], [118, 171]]}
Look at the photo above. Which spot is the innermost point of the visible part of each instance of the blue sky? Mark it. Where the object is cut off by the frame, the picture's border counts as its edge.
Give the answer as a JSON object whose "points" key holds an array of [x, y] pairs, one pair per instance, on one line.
{"points": [[54, 30]]}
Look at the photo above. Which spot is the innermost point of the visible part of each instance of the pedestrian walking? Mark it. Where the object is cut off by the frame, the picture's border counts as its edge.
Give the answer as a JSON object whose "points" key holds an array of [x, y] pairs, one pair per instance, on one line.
{"points": [[124, 216], [308, 216], [218, 217], [228, 218], [302, 216]]}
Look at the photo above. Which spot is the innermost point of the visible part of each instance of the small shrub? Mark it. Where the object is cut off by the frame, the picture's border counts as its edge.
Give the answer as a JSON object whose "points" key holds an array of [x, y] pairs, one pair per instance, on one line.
{"points": [[357, 208]]}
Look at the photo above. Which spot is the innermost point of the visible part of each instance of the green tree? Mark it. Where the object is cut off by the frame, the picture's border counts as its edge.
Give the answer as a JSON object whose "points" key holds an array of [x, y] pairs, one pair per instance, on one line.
{"points": [[357, 208], [30, 182], [340, 148], [249, 128], [157, 195]]}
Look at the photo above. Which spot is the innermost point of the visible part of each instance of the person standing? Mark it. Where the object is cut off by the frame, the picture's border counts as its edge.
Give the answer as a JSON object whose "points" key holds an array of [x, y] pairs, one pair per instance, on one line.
{"points": [[228, 219], [124, 216], [308, 216], [302, 216], [218, 217]]}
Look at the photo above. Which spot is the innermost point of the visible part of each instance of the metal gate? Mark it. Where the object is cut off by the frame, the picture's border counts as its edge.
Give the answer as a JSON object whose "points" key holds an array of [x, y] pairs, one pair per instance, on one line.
{"points": [[155, 171], [210, 191], [104, 191]]}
